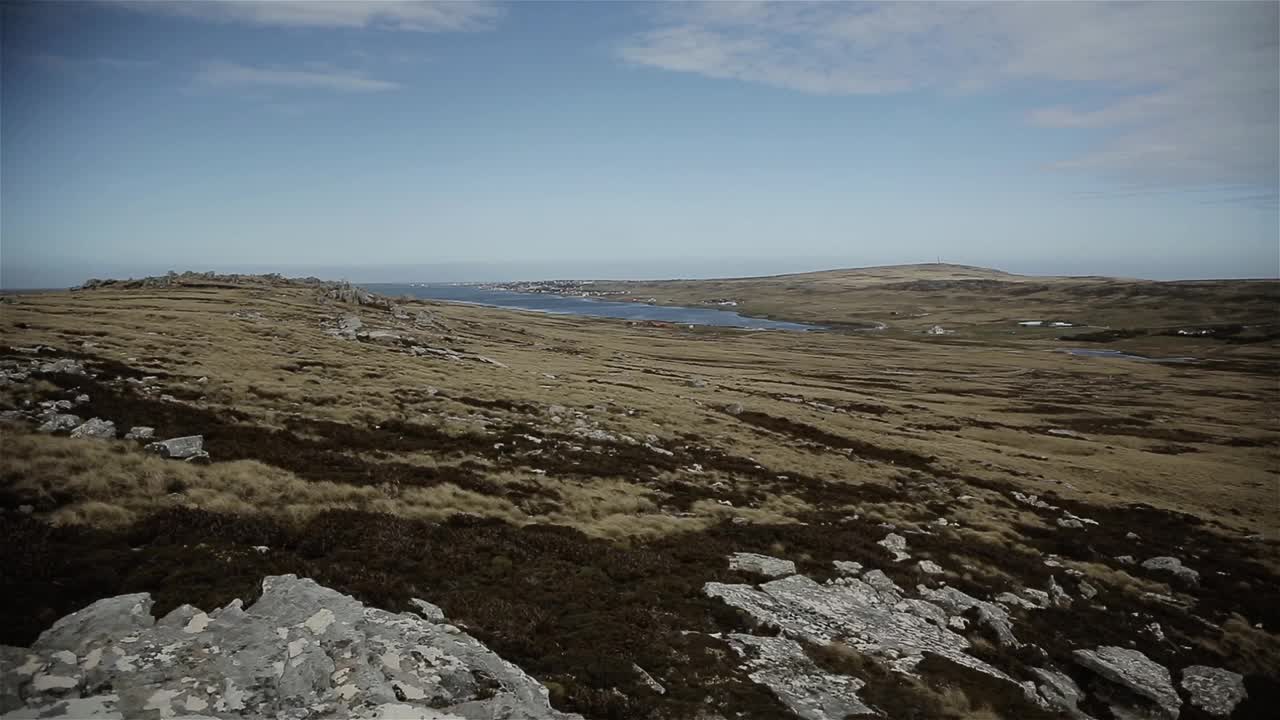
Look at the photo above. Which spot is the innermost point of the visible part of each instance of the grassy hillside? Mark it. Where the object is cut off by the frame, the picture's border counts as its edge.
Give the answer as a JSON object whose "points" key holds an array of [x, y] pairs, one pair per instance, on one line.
{"points": [[565, 486]]}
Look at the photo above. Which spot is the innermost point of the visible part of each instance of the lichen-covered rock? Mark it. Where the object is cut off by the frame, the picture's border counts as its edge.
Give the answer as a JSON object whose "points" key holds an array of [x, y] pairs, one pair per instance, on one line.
{"points": [[1214, 690], [782, 665], [1174, 566], [302, 650], [770, 567], [1134, 671], [96, 428], [853, 611], [179, 448]]}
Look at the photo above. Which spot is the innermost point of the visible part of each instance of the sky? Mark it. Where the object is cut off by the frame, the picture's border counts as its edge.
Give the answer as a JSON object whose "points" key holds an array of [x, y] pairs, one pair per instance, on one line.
{"points": [[405, 141]]}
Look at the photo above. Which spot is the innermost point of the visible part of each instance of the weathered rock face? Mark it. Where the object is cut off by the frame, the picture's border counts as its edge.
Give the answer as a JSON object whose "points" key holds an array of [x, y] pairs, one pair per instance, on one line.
{"points": [[1135, 672], [302, 650], [1214, 690]]}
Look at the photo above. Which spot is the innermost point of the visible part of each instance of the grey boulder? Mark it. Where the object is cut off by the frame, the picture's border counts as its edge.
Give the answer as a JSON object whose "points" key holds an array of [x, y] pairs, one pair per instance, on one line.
{"points": [[1135, 672], [1174, 566], [770, 567], [179, 448]]}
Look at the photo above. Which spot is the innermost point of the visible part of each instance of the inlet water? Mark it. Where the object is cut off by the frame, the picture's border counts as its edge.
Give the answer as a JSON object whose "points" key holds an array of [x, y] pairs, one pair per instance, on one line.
{"points": [[567, 305]]}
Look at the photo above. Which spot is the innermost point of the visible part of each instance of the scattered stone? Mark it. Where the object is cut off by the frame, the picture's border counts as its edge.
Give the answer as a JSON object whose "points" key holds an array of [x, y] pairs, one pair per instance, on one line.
{"points": [[1040, 598], [1125, 559], [60, 423], [140, 432], [696, 383], [301, 650], [26, 509], [897, 545], [989, 614], [1009, 598], [82, 399], [1131, 536], [761, 565], [1214, 690], [930, 567], [1173, 565], [1057, 595], [64, 365], [179, 448], [1063, 432], [735, 409], [96, 428], [1087, 591], [1070, 523], [430, 611], [847, 568], [1060, 692], [1134, 671], [648, 680], [937, 330]]}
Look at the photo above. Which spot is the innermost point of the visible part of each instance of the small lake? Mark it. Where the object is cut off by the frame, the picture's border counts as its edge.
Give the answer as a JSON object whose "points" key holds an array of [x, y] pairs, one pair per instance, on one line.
{"points": [[566, 305]]}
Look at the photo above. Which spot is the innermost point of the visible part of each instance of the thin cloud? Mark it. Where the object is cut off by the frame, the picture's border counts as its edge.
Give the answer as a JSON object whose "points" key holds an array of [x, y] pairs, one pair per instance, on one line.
{"points": [[66, 62], [1192, 89], [388, 15], [228, 75]]}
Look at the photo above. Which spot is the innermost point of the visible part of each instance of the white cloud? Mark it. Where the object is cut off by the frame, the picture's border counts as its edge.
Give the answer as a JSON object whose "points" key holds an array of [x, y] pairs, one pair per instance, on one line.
{"points": [[386, 14], [1190, 92], [233, 75]]}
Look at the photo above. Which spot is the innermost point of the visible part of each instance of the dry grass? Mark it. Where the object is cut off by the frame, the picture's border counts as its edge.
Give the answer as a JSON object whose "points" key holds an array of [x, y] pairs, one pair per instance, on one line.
{"points": [[979, 410]]}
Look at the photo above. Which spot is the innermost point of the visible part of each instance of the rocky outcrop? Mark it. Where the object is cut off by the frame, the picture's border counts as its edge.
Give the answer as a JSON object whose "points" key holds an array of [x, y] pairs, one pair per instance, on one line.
{"points": [[302, 650], [868, 614], [1214, 690], [1136, 673]]}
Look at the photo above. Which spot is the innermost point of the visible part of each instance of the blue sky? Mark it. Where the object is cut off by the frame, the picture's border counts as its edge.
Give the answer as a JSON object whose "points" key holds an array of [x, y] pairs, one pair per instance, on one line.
{"points": [[407, 141]]}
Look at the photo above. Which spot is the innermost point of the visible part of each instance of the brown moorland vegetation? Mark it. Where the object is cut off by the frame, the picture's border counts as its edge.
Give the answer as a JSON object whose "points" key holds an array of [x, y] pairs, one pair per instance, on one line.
{"points": [[564, 486]]}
